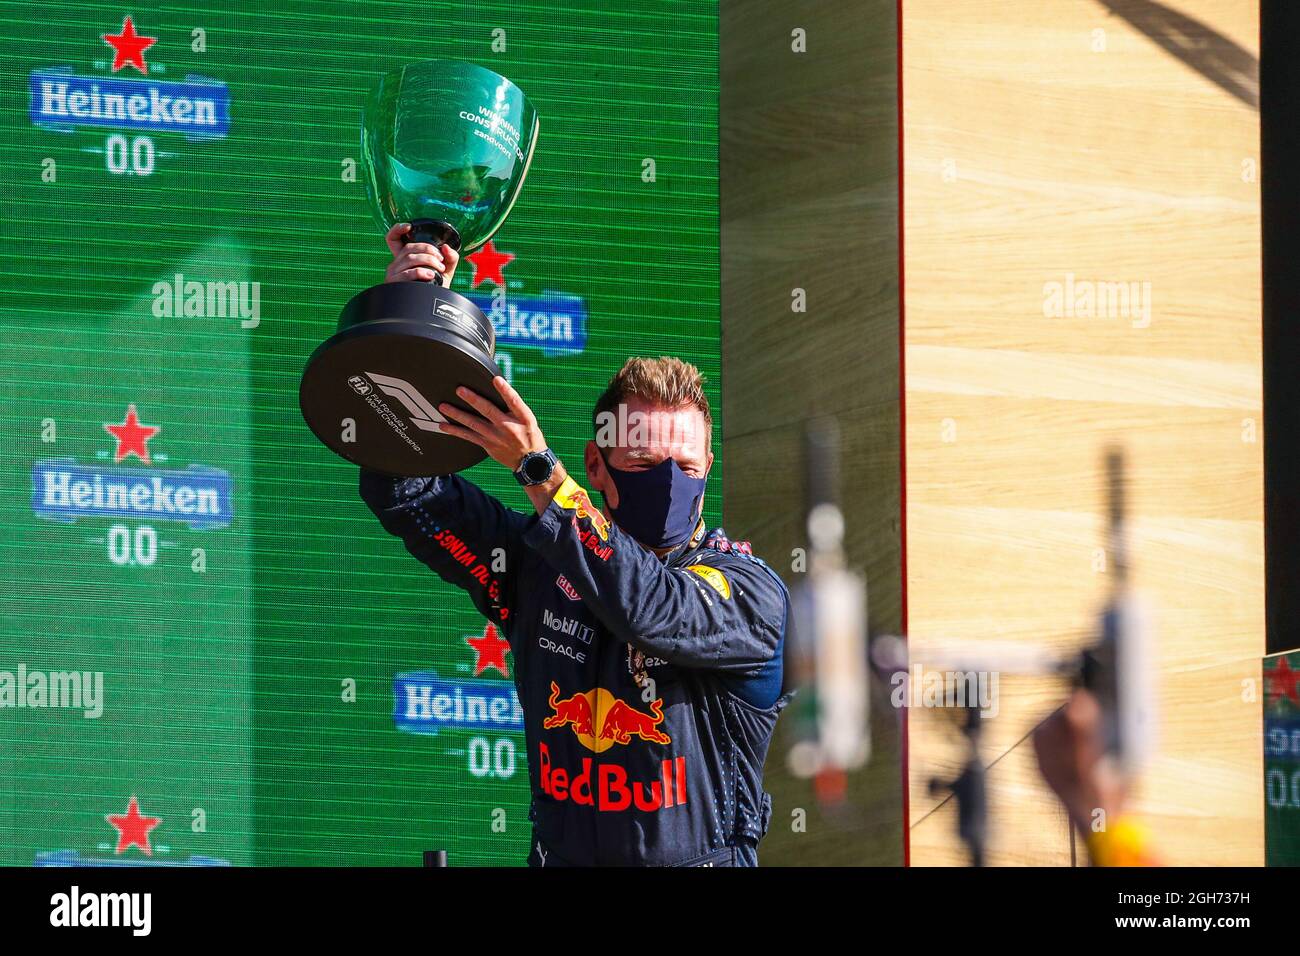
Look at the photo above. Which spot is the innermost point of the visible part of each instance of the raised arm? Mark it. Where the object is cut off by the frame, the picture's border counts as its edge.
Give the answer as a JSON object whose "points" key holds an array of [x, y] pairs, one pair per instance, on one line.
{"points": [[468, 537]]}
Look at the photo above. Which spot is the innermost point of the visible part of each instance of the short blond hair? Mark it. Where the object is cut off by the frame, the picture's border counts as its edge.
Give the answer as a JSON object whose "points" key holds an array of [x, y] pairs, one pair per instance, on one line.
{"points": [[663, 381]]}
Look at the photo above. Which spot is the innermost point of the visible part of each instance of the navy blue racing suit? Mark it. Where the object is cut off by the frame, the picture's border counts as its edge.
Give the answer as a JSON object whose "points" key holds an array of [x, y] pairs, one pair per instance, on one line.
{"points": [[650, 686]]}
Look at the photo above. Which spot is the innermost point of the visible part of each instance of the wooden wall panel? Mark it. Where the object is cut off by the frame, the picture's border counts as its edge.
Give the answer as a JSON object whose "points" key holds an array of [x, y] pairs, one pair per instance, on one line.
{"points": [[1063, 142]]}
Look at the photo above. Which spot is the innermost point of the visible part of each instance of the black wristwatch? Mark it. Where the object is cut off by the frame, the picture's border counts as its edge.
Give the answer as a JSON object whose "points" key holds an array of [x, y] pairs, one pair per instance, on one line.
{"points": [[536, 467]]}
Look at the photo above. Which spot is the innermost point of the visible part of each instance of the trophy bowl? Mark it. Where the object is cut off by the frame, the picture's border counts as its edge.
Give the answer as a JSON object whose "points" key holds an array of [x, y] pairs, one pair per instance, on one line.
{"points": [[446, 147]]}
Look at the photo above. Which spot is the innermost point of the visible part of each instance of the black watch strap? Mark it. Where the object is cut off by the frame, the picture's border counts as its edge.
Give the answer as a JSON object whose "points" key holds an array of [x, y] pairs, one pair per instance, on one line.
{"points": [[536, 467]]}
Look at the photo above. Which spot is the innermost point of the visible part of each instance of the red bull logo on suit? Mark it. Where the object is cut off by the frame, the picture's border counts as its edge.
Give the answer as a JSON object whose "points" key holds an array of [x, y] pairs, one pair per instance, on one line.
{"points": [[600, 720]]}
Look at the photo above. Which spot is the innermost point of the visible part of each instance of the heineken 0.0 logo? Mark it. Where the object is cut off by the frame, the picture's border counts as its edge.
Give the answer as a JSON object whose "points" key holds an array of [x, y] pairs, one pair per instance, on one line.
{"points": [[64, 101]]}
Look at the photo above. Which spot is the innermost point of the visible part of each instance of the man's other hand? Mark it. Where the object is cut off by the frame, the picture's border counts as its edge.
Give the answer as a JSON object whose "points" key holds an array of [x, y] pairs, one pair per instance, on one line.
{"points": [[418, 261]]}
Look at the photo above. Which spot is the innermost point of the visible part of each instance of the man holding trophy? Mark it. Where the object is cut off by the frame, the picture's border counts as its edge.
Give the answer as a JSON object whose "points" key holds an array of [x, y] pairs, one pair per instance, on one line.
{"points": [[647, 647]]}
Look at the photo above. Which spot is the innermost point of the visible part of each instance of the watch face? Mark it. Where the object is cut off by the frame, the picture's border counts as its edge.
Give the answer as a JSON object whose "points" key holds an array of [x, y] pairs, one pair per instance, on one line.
{"points": [[537, 468]]}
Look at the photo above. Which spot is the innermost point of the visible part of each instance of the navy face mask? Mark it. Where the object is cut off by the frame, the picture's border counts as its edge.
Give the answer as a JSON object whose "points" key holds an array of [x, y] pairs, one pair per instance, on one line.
{"points": [[659, 506]]}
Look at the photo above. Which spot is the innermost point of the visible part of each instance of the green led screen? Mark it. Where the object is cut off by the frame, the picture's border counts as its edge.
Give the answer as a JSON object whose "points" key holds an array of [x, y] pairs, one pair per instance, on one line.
{"points": [[209, 650]]}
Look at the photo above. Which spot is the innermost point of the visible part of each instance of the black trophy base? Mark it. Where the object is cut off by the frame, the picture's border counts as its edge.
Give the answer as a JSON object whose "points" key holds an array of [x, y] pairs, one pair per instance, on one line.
{"points": [[371, 391]]}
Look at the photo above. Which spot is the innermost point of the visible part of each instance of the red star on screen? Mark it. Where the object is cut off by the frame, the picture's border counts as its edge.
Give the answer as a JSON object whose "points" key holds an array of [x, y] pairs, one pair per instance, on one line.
{"points": [[128, 46], [1281, 682], [488, 264], [133, 828], [490, 650], [132, 437]]}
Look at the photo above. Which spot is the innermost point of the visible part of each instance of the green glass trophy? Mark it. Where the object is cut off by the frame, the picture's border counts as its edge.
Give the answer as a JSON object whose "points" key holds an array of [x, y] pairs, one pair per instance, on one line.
{"points": [[446, 146]]}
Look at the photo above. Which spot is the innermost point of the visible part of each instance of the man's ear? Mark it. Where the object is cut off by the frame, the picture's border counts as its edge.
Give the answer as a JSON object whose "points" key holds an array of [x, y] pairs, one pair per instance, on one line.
{"points": [[591, 461]]}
